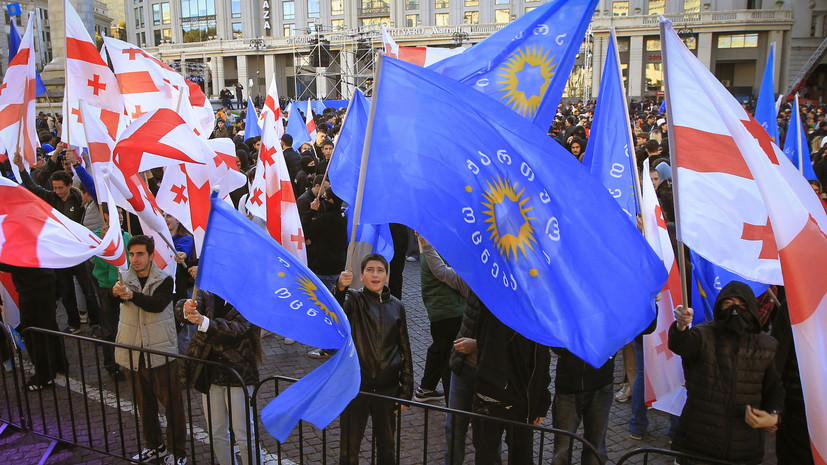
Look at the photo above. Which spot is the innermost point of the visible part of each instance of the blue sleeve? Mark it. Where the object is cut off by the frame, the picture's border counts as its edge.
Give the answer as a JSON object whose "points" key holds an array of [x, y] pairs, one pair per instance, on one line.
{"points": [[87, 181], [184, 243]]}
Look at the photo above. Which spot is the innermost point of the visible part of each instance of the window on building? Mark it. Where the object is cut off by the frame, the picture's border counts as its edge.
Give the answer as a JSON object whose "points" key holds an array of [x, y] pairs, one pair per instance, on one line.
{"points": [[235, 7], [653, 45], [337, 23], [156, 18], [337, 7], [654, 78], [289, 30], [657, 7], [157, 37], [412, 4], [753, 4], [375, 5], [160, 14], [623, 44], [471, 17], [738, 40], [472, 2], [691, 6], [288, 10], [139, 17], [442, 3], [237, 30], [167, 34], [412, 20], [140, 37], [441, 19], [312, 8], [814, 26], [166, 18], [45, 14], [529, 8], [620, 8], [502, 2], [386, 20], [198, 20], [502, 16]]}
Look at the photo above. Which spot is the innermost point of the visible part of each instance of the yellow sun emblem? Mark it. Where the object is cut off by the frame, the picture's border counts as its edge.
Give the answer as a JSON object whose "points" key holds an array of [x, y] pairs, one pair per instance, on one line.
{"points": [[309, 289], [526, 76], [508, 218]]}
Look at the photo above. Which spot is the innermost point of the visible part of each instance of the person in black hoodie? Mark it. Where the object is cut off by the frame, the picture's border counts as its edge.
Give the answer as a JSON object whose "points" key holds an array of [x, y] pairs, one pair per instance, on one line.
{"points": [[512, 383], [733, 390], [582, 392]]}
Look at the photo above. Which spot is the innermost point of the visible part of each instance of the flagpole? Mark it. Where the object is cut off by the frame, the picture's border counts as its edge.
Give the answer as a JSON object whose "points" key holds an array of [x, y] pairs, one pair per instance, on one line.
{"points": [[798, 136], [335, 142], [631, 139], [673, 160], [68, 115], [88, 161], [360, 190]]}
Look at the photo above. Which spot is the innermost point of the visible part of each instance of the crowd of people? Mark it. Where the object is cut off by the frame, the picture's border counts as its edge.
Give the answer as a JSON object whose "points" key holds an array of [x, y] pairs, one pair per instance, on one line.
{"points": [[739, 378]]}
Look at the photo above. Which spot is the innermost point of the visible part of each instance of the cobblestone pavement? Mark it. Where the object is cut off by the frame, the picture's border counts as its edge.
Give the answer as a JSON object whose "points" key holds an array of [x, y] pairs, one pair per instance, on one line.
{"points": [[87, 420]]}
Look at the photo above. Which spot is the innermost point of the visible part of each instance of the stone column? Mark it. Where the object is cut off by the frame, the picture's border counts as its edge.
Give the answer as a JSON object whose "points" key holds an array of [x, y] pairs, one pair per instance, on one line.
{"points": [[705, 49], [635, 67], [214, 88], [269, 72], [220, 72], [244, 75]]}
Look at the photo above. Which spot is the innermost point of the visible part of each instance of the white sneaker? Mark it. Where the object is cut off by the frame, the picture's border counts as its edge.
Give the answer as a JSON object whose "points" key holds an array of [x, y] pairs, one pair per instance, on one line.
{"points": [[151, 454], [623, 394], [173, 460]]}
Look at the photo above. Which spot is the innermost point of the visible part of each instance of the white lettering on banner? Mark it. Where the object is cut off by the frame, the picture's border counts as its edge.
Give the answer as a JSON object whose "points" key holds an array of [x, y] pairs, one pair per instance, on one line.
{"points": [[265, 7]]}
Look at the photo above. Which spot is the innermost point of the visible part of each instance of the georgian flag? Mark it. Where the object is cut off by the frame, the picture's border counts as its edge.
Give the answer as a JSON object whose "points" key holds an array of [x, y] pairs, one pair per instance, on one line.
{"points": [[185, 194], [271, 105], [721, 213], [148, 83], [223, 170], [89, 79], [422, 56], [271, 195], [11, 301], [798, 228], [664, 381], [35, 235], [17, 103], [309, 121]]}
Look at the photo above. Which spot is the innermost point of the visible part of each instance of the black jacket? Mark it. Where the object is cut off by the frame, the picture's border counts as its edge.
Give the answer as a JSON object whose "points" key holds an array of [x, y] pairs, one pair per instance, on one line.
{"points": [[380, 334], [230, 340], [512, 369], [72, 207], [574, 375], [724, 373], [327, 230], [294, 164]]}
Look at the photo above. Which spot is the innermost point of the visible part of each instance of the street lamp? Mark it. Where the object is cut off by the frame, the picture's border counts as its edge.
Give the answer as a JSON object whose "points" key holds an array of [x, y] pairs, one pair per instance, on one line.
{"points": [[258, 45]]}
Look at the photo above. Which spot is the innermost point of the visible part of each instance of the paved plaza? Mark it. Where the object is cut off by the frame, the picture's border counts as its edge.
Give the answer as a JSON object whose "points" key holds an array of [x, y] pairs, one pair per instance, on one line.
{"points": [[79, 404]]}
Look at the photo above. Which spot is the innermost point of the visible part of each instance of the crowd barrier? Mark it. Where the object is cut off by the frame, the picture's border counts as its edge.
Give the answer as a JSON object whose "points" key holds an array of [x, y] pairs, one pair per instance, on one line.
{"points": [[87, 409]]}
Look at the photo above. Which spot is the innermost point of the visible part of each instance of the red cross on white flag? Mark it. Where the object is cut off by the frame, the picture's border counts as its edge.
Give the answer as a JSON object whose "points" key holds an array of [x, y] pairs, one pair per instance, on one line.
{"points": [[89, 79], [17, 103], [185, 194], [271, 195], [271, 105]]}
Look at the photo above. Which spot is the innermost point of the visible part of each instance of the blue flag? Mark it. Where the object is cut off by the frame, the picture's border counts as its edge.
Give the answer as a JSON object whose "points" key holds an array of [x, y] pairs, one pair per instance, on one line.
{"points": [[662, 107], [344, 175], [609, 151], [241, 263], [251, 127], [708, 280], [318, 107], [526, 64], [14, 9], [765, 112], [536, 237], [796, 147], [14, 46], [343, 171], [297, 129]]}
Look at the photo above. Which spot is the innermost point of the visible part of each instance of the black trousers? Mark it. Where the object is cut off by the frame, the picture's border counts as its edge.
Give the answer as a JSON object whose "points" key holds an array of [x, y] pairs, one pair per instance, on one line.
{"points": [[792, 443], [67, 293], [109, 316], [46, 352], [488, 434], [443, 334], [352, 425]]}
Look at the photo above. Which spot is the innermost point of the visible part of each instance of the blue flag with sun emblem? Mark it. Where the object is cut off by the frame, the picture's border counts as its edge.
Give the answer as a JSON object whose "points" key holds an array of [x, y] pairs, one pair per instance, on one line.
{"points": [[536, 236], [609, 151], [242, 264], [526, 64]]}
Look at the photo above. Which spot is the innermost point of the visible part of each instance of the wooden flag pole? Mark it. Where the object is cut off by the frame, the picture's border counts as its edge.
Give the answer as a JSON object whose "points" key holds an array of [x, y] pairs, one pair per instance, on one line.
{"points": [[360, 190]]}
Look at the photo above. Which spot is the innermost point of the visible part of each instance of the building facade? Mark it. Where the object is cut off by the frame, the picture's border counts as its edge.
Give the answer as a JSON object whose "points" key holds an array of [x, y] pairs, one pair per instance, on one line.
{"points": [[321, 48]]}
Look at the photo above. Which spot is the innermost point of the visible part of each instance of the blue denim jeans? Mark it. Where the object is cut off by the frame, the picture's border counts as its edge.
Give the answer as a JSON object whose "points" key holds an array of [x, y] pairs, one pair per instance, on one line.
{"points": [[592, 407], [638, 423], [460, 397]]}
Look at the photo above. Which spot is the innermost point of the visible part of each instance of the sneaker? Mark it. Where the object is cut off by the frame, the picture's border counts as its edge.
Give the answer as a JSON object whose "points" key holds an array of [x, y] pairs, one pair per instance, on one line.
{"points": [[423, 395], [84, 316], [173, 460], [411, 259], [319, 354], [151, 454], [636, 436], [623, 394], [33, 385], [289, 341]]}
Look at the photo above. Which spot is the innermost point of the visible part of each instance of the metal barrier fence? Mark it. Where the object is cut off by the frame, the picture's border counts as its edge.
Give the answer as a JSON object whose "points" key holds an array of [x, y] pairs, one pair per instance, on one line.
{"points": [[86, 409]]}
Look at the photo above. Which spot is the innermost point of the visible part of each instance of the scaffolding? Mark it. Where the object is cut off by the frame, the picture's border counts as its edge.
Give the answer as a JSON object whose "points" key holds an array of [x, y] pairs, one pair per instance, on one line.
{"points": [[331, 62]]}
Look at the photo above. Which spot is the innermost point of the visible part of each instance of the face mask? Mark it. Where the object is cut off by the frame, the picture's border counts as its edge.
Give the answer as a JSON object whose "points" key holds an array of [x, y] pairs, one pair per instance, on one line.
{"points": [[737, 320]]}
